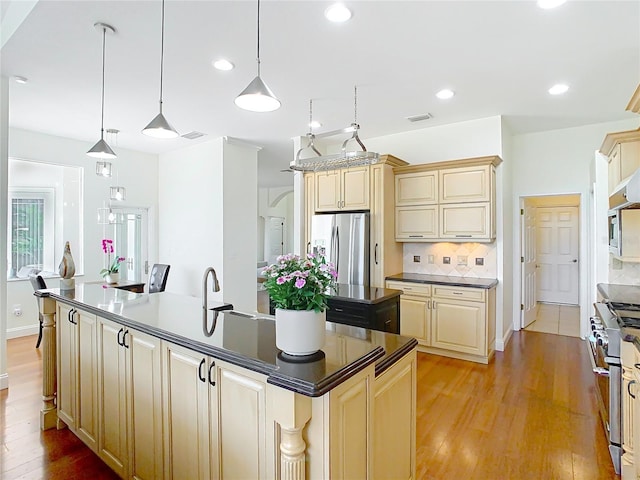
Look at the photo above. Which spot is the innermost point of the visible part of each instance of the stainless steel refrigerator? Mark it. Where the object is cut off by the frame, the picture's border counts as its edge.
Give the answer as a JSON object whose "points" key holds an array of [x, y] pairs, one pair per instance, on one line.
{"points": [[343, 239]]}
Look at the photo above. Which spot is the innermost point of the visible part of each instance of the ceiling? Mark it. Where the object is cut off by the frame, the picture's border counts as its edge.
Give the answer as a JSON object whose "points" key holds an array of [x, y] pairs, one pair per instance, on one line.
{"points": [[500, 57]]}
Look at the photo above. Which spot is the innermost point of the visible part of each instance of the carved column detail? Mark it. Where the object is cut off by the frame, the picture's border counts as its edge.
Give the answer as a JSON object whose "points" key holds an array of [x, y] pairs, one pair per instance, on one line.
{"points": [[292, 453], [48, 414], [291, 412]]}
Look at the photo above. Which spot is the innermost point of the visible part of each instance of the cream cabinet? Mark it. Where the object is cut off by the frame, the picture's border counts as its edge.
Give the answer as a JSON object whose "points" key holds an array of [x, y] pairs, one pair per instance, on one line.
{"points": [[346, 189], [417, 223], [465, 184], [457, 201], [628, 354], [623, 152], [386, 253], [419, 188], [451, 321], [415, 310], [77, 369], [460, 221], [130, 408], [207, 435]]}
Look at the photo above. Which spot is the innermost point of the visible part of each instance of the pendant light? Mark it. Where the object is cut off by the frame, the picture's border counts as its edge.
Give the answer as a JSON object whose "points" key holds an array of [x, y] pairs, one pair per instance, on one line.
{"points": [[101, 149], [159, 127], [257, 97]]}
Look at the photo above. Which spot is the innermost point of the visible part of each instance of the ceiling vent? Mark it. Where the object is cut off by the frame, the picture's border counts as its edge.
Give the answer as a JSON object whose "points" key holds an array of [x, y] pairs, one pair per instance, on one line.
{"points": [[193, 135], [419, 118]]}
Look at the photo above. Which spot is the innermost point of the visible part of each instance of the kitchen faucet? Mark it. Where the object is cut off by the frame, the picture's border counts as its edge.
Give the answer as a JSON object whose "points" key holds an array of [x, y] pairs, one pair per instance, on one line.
{"points": [[215, 288]]}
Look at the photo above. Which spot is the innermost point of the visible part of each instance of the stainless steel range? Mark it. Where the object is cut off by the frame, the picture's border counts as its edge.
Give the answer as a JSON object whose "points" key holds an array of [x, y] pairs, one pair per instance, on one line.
{"points": [[604, 349]]}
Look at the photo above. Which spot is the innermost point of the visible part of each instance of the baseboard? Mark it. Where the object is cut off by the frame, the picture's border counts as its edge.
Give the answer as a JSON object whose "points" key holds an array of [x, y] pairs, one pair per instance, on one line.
{"points": [[25, 331], [4, 381], [501, 343]]}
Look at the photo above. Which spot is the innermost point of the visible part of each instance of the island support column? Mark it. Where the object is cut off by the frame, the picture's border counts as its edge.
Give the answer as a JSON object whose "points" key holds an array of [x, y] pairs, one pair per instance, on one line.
{"points": [[291, 411], [48, 414]]}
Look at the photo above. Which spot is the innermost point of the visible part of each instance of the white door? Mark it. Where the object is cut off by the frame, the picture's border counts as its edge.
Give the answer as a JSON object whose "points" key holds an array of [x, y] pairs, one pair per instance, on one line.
{"points": [[275, 239], [557, 252], [528, 260]]}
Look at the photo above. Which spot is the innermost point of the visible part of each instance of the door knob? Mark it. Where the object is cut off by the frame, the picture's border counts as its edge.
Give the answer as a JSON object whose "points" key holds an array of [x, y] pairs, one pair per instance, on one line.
{"points": [[575, 260]]}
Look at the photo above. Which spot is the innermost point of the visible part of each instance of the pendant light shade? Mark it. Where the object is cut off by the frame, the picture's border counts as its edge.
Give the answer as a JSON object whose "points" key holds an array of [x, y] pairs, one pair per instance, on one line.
{"points": [[257, 97], [159, 127], [101, 149]]}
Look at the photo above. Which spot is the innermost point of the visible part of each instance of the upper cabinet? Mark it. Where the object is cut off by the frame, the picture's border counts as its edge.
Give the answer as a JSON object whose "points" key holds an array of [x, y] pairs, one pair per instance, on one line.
{"points": [[340, 190], [623, 151], [450, 201]]}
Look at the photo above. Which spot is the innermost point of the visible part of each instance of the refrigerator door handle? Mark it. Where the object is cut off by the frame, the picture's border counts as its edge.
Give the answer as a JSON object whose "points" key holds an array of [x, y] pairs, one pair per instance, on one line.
{"points": [[337, 262]]}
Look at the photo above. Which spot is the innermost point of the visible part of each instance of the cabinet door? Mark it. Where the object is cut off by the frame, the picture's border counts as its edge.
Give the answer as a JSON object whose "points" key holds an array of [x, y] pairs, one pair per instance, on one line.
{"points": [[309, 208], [144, 406], [355, 188], [67, 361], [465, 220], [327, 191], [417, 188], [239, 408], [186, 418], [415, 318], [629, 158], [416, 223], [627, 351], [465, 184], [459, 326], [635, 413], [112, 402], [614, 168], [87, 424], [350, 423]]}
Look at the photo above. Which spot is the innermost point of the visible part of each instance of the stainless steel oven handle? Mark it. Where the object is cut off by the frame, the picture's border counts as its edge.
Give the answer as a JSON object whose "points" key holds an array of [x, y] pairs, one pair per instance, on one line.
{"points": [[603, 372]]}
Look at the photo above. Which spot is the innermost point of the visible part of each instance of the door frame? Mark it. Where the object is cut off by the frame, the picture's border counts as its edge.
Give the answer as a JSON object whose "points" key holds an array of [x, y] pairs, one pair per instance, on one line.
{"points": [[584, 258]]}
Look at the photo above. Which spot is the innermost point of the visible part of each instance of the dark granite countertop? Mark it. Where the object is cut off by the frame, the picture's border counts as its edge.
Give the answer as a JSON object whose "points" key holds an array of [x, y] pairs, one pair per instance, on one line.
{"points": [[362, 294], [241, 339], [620, 293], [486, 283]]}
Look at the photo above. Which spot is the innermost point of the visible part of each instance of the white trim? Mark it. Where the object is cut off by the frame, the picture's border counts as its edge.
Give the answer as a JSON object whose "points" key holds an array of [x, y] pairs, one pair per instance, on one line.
{"points": [[25, 331], [241, 143], [501, 343], [4, 381]]}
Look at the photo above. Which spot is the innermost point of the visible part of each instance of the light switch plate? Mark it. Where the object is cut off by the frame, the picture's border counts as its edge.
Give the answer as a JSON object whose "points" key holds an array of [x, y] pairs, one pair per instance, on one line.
{"points": [[446, 260], [462, 259], [431, 259]]}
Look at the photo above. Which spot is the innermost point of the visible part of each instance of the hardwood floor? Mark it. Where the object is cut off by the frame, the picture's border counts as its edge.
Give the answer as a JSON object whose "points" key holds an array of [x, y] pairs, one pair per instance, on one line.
{"points": [[530, 414]]}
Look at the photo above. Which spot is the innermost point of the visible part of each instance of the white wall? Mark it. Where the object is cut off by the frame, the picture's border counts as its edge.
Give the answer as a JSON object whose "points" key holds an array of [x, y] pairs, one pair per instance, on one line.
{"points": [[558, 162], [4, 172], [136, 171], [208, 205]]}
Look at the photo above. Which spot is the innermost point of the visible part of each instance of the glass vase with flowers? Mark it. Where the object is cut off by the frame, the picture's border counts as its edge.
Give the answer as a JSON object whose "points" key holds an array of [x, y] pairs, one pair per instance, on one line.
{"points": [[299, 288]]}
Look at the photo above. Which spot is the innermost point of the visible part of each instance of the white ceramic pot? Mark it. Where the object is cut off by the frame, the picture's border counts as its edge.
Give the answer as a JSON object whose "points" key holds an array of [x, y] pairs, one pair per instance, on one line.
{"points": [[112, 277], [300, 332]]}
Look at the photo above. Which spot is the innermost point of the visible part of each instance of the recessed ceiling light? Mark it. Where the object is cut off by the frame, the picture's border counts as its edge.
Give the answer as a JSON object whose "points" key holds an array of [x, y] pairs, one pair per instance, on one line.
{"points": [[445, 94], [337, 13], [315, 124], [559, 89], [547, 4], [223, 64], [20, 80]]}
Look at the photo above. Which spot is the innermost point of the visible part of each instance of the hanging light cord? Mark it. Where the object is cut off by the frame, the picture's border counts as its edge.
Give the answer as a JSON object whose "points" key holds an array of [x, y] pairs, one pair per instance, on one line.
{"points": [[355, 104], [161, 55], [310, 116], [104, 34], [258, 49]]}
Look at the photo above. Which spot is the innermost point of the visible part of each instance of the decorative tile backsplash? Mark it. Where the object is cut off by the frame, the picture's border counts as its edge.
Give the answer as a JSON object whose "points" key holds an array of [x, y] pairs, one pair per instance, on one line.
{"points": [[456, 253], [622, 273]]}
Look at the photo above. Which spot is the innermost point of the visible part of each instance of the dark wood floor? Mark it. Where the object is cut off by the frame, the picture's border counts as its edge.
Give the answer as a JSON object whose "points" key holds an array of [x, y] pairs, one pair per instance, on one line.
{"points": [[530, 414]]}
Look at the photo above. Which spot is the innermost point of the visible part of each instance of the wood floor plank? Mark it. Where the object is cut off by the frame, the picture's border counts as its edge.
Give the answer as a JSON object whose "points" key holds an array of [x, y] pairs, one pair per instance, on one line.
{"points": [[530, 414]]}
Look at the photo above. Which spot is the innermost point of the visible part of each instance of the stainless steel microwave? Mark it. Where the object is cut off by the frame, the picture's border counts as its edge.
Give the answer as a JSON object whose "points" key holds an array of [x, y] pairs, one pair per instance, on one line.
{"points": [[624, 233], [615, 244]]}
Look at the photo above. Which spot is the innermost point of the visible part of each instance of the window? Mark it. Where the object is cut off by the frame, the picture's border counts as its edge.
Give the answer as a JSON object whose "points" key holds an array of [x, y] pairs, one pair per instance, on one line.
{"points": [[44, 212]]}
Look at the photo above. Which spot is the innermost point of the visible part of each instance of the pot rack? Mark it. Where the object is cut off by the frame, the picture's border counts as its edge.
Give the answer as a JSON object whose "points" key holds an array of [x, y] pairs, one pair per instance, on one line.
{"points": [[344, 159]]}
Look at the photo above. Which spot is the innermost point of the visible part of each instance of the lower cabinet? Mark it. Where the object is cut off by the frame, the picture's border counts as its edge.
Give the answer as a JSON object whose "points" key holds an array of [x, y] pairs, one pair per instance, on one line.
{"points": [[130, 407], [451, 321], [214, 419]]}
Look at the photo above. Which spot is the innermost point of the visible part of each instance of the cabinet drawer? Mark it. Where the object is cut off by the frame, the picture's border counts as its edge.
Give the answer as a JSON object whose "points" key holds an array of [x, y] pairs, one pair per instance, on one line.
{"points": [[409, 288], [462, 293]]}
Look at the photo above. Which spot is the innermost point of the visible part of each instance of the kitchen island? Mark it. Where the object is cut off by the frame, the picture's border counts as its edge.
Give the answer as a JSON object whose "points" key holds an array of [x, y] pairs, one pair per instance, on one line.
{"points": [[159, 387]]}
